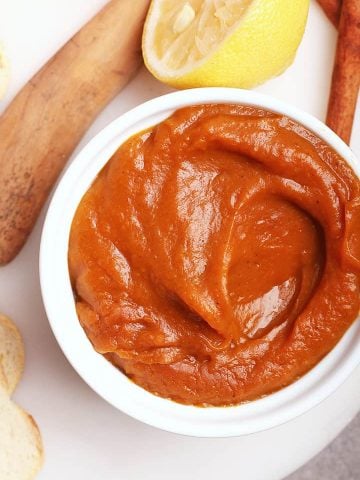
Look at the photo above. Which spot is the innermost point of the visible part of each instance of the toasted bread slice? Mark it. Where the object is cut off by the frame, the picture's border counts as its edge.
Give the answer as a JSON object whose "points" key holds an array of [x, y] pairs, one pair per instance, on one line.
{"points": [[3, 379], [4, 72], [21, 451], [11, 354]]}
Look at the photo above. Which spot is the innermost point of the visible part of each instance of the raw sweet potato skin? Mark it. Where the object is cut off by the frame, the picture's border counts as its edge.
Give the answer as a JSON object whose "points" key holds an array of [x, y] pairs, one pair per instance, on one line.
{"points": [[46, 120]]}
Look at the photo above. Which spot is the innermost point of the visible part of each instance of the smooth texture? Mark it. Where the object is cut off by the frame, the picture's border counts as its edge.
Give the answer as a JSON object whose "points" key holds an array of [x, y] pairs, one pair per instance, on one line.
{"points": [[94, 453], [211, 259], [101, 375]]}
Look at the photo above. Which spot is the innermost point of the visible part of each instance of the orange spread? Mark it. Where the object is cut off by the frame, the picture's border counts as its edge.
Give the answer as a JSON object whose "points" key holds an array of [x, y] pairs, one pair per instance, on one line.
{"points": [[216, 257]]}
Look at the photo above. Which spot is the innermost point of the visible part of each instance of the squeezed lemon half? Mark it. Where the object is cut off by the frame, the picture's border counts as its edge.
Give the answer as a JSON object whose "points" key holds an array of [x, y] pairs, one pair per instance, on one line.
{"points": [[234, 43]]}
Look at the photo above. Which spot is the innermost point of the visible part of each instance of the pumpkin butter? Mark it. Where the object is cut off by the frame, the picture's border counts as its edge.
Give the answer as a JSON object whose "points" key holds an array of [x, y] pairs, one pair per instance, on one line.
{"points": [[216, 257]]}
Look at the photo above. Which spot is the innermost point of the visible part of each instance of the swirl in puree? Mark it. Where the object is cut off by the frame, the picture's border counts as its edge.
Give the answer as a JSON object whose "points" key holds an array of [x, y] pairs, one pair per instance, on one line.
{"points": [[216, 257]]}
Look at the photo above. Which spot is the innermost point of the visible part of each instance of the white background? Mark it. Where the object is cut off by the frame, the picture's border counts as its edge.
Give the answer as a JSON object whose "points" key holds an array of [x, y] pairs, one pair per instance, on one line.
{"points": [[83, 436]]}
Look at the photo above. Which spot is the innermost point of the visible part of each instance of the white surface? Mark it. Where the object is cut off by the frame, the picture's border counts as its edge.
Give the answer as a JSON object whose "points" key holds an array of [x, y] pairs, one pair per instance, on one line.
{"points": [[101, 375], [84, 437]]}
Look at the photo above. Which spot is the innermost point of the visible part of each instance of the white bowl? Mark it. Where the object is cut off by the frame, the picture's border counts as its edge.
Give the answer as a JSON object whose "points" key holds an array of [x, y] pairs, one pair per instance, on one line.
{"points": [[101, 375]]}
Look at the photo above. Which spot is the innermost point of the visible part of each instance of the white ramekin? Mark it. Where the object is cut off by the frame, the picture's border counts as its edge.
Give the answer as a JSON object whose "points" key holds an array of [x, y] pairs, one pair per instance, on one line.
{"points": [[108, 381]]}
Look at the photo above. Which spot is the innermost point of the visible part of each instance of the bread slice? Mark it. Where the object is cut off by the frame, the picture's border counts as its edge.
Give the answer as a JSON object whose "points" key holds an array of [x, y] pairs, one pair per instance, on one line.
{"points": [[4, 72], [12, 354], [3, 380], [21, 451]]}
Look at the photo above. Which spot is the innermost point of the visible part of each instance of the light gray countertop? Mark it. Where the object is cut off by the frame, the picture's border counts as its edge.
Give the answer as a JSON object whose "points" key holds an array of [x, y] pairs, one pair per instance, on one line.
{"points": [[339, 461]]}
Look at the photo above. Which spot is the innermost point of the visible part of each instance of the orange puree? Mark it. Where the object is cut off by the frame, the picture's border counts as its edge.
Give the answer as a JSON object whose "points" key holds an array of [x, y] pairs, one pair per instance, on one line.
{"points": [[216, 257]]}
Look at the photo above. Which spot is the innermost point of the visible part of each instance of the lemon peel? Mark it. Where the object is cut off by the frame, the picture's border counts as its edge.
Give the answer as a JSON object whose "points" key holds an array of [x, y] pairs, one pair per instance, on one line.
{"points": [[234, 43]]}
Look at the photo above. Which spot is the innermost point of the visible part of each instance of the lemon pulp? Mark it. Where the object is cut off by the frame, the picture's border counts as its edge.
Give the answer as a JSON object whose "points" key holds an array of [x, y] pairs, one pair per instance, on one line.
{"points": [[190, 30], [234, 43]]}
